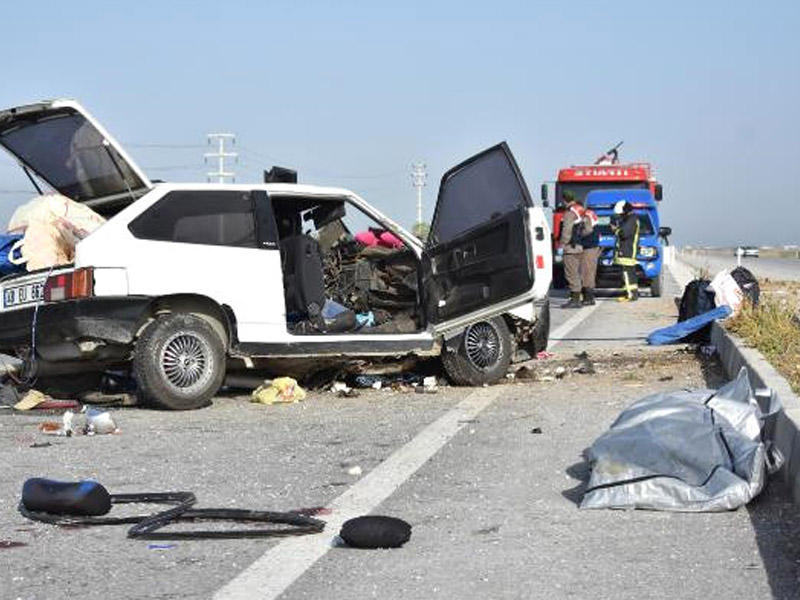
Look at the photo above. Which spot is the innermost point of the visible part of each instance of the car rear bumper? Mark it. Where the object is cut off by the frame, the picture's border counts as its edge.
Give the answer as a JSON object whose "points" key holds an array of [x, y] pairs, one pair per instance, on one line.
{"points": [[75, 329]]}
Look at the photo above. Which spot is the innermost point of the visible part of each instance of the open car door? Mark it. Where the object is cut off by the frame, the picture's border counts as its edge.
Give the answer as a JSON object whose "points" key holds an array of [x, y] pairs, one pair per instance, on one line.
{"points": [[477, 261], [63, 145]]}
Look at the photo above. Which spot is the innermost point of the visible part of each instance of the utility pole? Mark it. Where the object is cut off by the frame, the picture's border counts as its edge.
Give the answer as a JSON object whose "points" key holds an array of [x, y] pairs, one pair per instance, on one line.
{"points": [[418, 176], [221, 174]]}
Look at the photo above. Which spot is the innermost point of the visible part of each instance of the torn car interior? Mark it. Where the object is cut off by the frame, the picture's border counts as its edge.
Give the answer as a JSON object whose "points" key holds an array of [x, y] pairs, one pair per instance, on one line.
{"points": [[340, 281]]}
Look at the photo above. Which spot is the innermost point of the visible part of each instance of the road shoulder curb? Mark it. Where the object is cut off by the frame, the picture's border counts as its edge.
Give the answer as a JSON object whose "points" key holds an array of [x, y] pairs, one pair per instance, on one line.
{"points": [[734, 353]]}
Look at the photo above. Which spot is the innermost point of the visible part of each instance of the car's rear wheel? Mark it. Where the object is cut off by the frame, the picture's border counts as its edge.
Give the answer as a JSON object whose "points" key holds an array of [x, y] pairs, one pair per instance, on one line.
{"points": [[178, 362], [482, 356]]}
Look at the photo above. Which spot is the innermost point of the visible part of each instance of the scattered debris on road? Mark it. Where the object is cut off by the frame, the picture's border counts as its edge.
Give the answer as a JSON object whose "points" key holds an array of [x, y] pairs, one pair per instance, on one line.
{"points": [[99, 422], [85, 502], [30, 400], [161, 546], [342, 390], [89, 421], [8, 544], [283, 390]]}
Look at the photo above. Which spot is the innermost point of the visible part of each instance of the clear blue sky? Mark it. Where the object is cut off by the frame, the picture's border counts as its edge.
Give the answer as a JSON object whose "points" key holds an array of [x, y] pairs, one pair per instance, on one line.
{"points": [[350, 93]]}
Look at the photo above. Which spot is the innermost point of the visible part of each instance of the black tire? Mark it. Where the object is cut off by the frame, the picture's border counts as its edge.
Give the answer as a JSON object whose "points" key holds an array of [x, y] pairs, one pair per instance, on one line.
{"points": [[483, 354], [541, 330], [655, 286], [178, 362]]}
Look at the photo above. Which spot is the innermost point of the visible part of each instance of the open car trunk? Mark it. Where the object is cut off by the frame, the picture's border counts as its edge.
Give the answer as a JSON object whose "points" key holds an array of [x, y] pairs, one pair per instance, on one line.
{"points": [[59, 142]]}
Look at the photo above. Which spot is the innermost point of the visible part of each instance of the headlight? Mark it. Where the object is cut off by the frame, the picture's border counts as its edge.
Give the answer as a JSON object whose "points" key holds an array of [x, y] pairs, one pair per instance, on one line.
{"points": [[647, 251]]}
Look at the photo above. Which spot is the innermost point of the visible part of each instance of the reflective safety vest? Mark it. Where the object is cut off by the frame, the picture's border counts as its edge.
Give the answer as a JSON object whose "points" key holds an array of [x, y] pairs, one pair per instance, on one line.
{"points": [[627, 241], [577, 210]]}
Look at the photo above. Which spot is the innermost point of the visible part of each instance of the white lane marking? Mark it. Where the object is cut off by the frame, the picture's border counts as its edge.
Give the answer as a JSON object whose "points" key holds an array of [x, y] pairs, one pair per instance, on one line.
{"points": [[560, 332], [280, 566]]}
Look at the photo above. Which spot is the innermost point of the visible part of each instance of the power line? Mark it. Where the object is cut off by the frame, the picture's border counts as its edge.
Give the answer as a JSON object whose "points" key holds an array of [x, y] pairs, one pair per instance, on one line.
{"points": [[321, 172], [166, 146], [221, 174], [172, 167]]}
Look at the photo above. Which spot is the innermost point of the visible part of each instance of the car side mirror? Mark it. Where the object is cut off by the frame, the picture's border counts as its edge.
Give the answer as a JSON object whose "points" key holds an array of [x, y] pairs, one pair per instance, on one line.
{"points": [[665, 231], [659, 193]]}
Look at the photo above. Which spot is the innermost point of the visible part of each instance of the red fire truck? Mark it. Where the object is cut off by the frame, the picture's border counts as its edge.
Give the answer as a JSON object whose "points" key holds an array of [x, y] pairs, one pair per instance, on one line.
{"points": [[607, 173]]}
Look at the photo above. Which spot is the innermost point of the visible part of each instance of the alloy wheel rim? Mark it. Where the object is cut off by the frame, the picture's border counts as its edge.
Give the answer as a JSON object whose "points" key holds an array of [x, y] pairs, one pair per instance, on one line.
{"points": [[186, 361], [482, 343]]}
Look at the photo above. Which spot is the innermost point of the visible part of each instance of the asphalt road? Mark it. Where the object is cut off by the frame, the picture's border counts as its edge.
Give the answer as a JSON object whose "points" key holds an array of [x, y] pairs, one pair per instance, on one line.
{"points": [[779, 269], [492, 503]]}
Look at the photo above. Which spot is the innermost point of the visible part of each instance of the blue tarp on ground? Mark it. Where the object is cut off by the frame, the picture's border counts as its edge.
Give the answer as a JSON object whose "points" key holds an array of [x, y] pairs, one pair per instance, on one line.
{"points": [[675, 333]]}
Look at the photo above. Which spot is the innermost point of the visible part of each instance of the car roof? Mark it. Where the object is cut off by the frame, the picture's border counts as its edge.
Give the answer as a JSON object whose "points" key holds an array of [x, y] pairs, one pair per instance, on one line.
{"points": [[278, 188], [299, 189]]}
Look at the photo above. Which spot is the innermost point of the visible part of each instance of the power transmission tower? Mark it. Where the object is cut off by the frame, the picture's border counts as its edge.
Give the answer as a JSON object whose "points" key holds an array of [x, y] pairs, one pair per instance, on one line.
{"points": [[221, 174], [418, 176]]}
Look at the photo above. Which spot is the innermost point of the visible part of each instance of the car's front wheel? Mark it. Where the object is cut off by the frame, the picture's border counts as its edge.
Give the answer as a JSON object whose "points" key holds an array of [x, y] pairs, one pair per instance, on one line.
{"points": [[482, 355], [178, 362]]}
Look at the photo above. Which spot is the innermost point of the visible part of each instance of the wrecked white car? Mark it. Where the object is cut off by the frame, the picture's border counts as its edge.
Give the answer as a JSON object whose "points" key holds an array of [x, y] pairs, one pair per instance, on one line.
{"points": [[187, 281]]}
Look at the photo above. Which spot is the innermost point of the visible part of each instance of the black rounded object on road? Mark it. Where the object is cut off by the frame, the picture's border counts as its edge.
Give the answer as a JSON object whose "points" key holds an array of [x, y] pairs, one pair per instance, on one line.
{"points": [[85, 498], [375, 532]]}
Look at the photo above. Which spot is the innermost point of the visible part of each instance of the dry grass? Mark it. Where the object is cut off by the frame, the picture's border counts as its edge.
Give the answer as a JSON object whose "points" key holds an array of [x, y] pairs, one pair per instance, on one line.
{"points": [[774, 327]]}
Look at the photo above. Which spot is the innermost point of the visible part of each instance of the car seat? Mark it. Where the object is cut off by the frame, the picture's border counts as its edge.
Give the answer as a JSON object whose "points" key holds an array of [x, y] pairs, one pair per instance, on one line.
{"points": [[304, 284], [302, 275]]}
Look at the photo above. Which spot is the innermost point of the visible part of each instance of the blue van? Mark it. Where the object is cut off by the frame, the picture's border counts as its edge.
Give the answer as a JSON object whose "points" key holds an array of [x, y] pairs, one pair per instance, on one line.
{"points": [[650, 253]]}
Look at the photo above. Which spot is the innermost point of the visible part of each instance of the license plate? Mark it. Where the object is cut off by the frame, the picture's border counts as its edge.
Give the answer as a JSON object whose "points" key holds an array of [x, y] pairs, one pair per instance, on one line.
{"points": [[27, 293], [607, 262]]}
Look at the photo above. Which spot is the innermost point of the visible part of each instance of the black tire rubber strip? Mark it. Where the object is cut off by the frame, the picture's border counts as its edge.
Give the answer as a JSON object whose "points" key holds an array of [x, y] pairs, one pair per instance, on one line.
{"points": [[147, 526]]}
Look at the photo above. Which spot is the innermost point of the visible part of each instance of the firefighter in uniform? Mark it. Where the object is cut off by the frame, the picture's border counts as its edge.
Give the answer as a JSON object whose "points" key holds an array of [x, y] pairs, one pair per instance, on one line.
{"points": [[627, 234], [590, 241], [570, 244]]}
